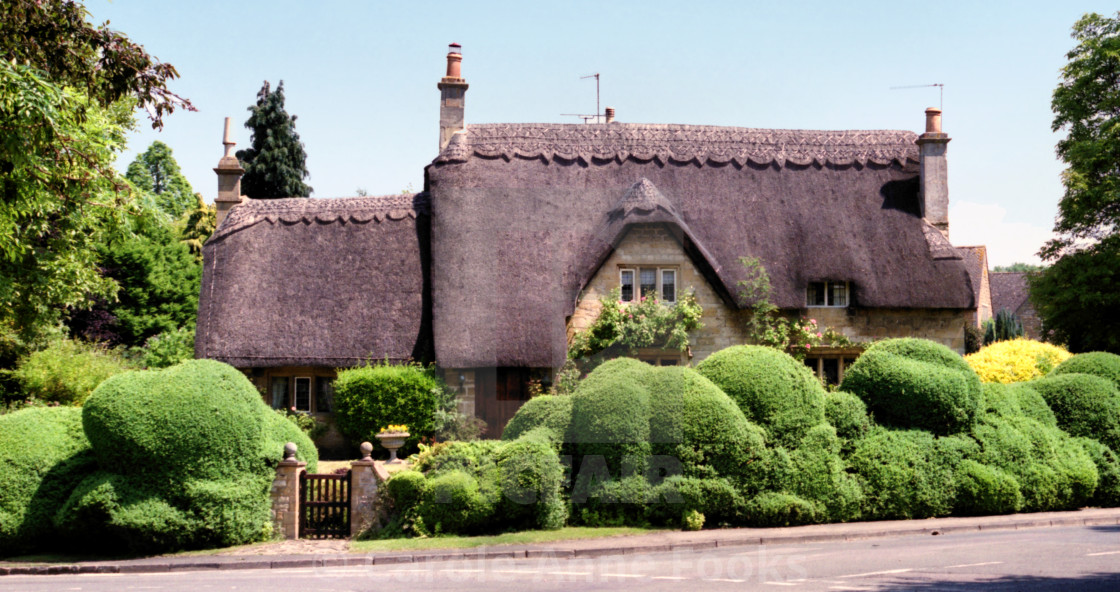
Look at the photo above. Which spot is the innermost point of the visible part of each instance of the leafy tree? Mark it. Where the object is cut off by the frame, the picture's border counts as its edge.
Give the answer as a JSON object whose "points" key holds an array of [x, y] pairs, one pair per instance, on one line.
{"points": [[275, 164], [155, 171], [159, 284], [67, 90], [1019, 268], [197, 225], [1077, 297]]}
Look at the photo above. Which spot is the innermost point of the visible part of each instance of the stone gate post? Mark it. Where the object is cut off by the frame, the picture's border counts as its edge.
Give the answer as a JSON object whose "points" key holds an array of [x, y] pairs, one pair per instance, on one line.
{"points": [[285, 494]]}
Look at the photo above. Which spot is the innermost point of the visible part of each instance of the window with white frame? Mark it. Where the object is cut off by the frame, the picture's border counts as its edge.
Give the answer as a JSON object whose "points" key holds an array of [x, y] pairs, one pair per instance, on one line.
{"points": [[829, 293], [648, 282]]}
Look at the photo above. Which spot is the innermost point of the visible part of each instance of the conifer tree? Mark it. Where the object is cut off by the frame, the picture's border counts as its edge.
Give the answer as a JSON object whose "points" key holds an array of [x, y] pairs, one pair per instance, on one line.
{"points": [[275, 163], [155, 171]]}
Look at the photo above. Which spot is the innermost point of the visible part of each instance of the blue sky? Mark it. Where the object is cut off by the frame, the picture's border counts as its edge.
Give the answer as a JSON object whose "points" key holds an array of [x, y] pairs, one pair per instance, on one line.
{"points": [[361, 76]]}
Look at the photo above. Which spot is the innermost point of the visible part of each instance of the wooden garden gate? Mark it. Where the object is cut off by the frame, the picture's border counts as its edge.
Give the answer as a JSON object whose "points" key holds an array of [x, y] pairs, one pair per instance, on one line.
{"points": [[324, 506]]}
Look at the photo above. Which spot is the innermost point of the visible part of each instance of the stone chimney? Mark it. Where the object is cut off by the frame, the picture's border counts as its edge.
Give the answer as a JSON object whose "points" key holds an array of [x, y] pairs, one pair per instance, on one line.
{"points": [[229, 178], [935, 177], [452, 93], [609, 114]]}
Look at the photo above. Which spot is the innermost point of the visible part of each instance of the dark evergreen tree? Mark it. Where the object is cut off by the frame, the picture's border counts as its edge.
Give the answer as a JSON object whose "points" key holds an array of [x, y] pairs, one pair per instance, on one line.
{"points": [[275, 164], [156, 172]]}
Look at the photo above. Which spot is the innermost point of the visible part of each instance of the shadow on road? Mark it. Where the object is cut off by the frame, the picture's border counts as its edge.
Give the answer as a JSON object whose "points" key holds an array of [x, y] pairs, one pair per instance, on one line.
{"points": [[1103, 582]]}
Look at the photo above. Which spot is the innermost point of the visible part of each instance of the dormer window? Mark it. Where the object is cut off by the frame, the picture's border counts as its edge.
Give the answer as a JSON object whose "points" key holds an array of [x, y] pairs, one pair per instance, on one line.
{"points": [[648, 282], [830, 294]]}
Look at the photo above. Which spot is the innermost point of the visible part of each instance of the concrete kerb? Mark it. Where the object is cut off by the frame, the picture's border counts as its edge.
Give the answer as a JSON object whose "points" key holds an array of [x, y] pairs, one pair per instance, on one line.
{"points": [[600, 548]]}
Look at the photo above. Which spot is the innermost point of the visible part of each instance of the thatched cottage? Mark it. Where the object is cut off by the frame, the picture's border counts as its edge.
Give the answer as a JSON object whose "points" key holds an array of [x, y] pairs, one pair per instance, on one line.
{"points": [[522, 228]]}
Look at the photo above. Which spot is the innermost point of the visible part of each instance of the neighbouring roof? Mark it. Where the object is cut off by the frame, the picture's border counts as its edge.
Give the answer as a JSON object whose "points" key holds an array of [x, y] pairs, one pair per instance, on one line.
{"points": [[318, 282], [976, 262], [1009, 290], [523, 215]]}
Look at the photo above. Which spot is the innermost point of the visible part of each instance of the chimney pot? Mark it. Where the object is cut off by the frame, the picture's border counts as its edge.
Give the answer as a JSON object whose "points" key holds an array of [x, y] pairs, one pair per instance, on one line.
{"points": [[933, 120], [454, 61], [610, 114]]}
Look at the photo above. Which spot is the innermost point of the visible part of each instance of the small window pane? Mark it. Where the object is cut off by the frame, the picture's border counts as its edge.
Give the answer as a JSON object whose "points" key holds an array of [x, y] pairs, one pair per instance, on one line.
{"points": [[303, 394], [839, 294], [649, 283], [627, 285], [816, 294], [324, 394], [278, 389], [668, 285]]}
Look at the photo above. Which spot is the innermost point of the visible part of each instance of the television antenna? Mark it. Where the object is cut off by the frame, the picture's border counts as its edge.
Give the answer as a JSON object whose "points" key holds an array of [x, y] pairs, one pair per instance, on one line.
{"points": [[940, 91], [587, 118]]}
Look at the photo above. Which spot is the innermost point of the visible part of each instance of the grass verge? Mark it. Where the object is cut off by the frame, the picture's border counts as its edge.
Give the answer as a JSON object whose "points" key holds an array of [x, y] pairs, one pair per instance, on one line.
{"points": [[526, 537]]}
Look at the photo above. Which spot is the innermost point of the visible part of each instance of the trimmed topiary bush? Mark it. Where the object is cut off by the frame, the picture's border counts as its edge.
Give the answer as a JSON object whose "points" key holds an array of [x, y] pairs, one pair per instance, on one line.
{"points": [[187, 456], [1016, 360], [610, 417], [406, 489], [1101, 364], [770, 387], [551, 412], [67, 371], [817, 473], [44, 454], [1016, 400], [916, 383], [906, 473], [454, 502], [1107, 494], [848, 414], [983, 490], [372, 397], [1085, 405], [1053, 471], [676, 498], [771, 508], [531, 480]]}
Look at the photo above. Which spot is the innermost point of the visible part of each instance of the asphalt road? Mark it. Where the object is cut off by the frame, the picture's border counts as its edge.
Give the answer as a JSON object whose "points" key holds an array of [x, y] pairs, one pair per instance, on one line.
{"points": [[1065, 558]]}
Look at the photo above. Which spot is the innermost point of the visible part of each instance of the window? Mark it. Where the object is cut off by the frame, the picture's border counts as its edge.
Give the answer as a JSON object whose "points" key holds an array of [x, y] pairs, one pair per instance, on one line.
{"points": [[830, 364], [830, 293], [303, 393], [627, 285], [661, 358], [278, 389], [669, 285], [652, 282]]}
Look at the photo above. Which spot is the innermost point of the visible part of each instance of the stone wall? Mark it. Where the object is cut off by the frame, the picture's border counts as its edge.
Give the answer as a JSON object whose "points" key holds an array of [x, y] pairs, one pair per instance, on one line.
{"points": [[655, 246], [860, 324], [285, 498]]}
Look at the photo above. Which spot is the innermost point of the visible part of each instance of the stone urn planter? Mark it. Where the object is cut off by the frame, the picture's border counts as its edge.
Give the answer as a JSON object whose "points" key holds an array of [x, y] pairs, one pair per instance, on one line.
{"points": [[392, 441]]}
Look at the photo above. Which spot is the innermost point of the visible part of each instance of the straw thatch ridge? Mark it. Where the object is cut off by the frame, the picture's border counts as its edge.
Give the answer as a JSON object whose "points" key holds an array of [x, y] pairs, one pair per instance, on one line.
{"points": [[522, 217], [318, 282]]}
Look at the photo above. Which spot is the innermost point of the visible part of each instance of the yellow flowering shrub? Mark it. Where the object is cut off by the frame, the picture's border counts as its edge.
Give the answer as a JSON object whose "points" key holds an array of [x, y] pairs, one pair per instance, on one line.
{"points": [[1016, 360]]}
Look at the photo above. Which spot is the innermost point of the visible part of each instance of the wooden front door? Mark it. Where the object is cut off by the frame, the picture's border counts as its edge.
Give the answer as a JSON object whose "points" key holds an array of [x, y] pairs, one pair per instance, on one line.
{"points": [[499, 393]]}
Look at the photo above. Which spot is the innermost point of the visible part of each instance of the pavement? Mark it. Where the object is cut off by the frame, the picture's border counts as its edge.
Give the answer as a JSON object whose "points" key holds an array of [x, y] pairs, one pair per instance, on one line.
{"points": [[318, 554]]}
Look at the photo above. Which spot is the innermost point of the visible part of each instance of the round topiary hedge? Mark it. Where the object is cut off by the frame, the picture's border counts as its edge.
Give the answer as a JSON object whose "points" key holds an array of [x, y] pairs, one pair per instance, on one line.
{"points": [[983, 490], [1085, 405], [44, 454], [455, 502], [1101, 364], [772, 389], [814, 471], [610, 417], [1015, 400], [906, 473], [848, 414], [550, 414], [369, 398], [916, 383], [187, 456]]}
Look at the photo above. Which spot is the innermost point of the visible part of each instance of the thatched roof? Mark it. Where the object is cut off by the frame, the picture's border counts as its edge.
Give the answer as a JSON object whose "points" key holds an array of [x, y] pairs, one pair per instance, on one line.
{"points": [[523, 215], [976, 261], [321, 282]]}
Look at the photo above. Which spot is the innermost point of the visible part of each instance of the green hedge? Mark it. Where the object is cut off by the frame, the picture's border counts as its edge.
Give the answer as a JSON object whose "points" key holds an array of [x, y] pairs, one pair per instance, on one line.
{"points": [[187, 454], [531, 481], [1053, 471], [983, 490], [372, 397], [772, 508], [717, 500], [458, 502], [848, 414], [915, 383], [1107, 493], [907, 473], [1085, 405], [610, 417], [1016, 400], [1101, 364], [816, 473], [551, 412], [772, 389], [44, 454]]}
